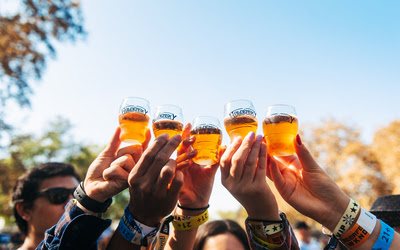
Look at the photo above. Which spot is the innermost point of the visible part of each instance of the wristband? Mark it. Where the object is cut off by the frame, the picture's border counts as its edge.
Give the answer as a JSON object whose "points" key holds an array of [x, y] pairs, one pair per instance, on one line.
{"points": [[361, 231], [193, 222], [347, 219], [193, 209], [263, 243], [270, 232], [89, 203], [385, 237]]}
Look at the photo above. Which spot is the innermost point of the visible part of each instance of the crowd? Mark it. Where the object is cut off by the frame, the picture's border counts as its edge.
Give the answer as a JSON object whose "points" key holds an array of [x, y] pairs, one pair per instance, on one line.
{"points": [[169, 200]]}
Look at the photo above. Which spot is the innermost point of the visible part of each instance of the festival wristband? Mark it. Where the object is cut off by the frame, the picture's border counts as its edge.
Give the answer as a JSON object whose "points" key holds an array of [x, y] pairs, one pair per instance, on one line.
{"points": [[385, 237], [361, 231], [347, 219], [263, 243], [193, 222], [130, 233], [163, 234], [271, 233]]}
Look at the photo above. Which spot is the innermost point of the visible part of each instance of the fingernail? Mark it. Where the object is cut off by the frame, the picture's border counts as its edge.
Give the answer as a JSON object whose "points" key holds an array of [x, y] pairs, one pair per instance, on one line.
{"points": [[298, 139], [259, 138], [250, 135]]}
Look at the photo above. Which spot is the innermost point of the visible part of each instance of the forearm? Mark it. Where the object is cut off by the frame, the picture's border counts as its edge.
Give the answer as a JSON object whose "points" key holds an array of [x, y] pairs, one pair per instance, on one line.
{"points": [[119, 242]]}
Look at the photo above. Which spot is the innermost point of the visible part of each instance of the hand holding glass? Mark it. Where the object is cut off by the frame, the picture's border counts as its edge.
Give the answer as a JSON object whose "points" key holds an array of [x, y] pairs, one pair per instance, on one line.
{"points": [[134, 119], [208, 139], [240, 118], [280, 128]]}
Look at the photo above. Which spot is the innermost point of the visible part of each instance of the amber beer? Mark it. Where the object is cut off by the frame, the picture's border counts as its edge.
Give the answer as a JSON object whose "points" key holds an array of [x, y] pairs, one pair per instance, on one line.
{"points": [[208, 140], [134, 119], [168, 119], [170, 127], [240, 118], [280, 131], [240, 125]]}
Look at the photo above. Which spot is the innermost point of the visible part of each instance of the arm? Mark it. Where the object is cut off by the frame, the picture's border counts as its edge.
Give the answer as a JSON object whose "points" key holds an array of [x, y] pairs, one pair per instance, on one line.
{"points": [[106, 176], [307, 188], [195, 192], [243, 168], [154, 185]]}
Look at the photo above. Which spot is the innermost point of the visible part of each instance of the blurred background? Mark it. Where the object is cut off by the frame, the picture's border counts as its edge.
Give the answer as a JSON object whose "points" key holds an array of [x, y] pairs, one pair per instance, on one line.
{"points": [[66, 65]]}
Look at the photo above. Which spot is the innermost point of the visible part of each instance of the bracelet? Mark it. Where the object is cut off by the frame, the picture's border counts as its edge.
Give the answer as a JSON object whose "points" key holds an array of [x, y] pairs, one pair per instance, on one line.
{"points": [[263, 243], [385, 237], [193, 222], [272, 233], [89, 203], [163, 233], [133, 233], [193, 209], [347, 219], [361, 231]]}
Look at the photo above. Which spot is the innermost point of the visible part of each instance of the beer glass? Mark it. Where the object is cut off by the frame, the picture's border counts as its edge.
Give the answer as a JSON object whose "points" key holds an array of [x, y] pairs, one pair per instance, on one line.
{"points": [[134, 119], [240, 118], [208, 139], [167, 119], [280, 128]]}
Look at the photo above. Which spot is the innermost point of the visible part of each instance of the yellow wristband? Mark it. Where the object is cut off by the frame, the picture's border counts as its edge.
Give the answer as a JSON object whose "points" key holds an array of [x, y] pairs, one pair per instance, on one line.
{"points": [[347, 219], [193, 222], [263, 243]]}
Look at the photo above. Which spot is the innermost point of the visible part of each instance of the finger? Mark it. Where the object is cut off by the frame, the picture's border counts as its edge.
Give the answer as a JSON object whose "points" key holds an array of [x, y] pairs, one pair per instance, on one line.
{"points": [[163, 156], [250, 165], [307, 161], [119, 168], [227, 157], [166, 174], [134, 150], [148, 156], [240, 156], [262, 163], [184, 164], [146, 142], [186, 156], [175, 186], [186, 131], [186, 145], [276, 174], [112, 147]]}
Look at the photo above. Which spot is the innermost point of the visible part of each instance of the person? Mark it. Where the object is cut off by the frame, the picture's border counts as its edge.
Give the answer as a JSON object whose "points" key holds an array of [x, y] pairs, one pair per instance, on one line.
{"points": [[303, 235], [243, 174], [39, 198], [222, 235], [387, 208], [304, 185]]}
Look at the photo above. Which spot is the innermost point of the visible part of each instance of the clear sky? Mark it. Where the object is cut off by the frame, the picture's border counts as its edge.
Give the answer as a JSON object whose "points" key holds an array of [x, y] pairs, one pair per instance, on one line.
{"points": [[326, 58]]}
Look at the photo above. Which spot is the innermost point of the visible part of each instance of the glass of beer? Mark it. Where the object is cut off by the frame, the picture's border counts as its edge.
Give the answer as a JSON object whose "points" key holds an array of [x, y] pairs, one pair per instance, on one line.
{"points": [[207, 130], [280, 128], [134, 119], [240, 118], [168, 119]]}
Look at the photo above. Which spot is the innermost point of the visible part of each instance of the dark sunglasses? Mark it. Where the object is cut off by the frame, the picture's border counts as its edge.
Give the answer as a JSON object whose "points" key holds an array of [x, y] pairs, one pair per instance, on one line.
{"points": [[57, 195]]}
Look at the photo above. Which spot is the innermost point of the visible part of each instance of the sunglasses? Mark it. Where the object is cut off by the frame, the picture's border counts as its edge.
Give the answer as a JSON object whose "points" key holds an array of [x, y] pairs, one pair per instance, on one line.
{"points": [[57, 195]]}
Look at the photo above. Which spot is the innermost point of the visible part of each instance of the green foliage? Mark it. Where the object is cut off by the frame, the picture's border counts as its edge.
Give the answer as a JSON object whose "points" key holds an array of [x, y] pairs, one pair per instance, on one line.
{"points": [[27, 39]]}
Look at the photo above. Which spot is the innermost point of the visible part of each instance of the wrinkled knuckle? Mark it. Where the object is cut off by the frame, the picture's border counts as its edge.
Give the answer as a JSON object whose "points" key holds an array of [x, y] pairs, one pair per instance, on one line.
{"points": [[161, 158]]}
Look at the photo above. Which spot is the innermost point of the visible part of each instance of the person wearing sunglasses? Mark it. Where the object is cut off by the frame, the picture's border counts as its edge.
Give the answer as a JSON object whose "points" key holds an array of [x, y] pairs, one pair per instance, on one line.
{"points": [[39, 198]]}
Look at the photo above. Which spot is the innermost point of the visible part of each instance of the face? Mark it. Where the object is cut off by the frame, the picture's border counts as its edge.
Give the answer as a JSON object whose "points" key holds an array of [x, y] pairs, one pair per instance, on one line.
{"points": [[226, 241], [44, 214]]}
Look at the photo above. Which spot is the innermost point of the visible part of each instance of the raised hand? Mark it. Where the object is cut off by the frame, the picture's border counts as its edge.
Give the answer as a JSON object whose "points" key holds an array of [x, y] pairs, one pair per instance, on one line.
{"points": [[108, 173], [243, 168]]}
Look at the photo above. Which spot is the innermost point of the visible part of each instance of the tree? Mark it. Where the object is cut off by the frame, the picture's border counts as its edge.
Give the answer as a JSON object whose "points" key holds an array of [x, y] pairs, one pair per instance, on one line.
{"points": [[27, 39], [386, 146]]}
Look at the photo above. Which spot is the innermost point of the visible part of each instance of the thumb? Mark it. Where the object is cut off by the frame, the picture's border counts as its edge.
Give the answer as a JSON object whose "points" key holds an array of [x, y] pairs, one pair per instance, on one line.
{"points": [[306, 159], [112, 147]]}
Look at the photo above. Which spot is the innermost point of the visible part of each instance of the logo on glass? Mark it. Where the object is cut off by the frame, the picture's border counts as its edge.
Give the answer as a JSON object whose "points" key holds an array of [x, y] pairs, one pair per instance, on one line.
{"points": [[242, 111], [134, 109], [165, 116]]}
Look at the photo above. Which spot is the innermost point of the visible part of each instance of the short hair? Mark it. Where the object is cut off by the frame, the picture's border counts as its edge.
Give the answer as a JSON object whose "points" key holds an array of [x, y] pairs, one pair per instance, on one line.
{"points": [[217, 227], [301, 225], [27, 186]]}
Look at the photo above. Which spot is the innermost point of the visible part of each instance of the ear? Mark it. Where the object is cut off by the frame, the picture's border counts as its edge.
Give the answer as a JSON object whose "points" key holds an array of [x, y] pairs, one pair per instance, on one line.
{"points": [[23, 211]]}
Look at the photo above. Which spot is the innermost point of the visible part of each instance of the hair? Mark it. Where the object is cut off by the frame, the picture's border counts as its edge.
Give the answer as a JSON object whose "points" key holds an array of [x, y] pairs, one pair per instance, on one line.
{"points": [[217, 227], [301, 225], [27, 186]]}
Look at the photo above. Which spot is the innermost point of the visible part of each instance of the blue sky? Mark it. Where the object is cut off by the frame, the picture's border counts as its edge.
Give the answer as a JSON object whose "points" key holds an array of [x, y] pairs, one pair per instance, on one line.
{"points": [[326, 58]]}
